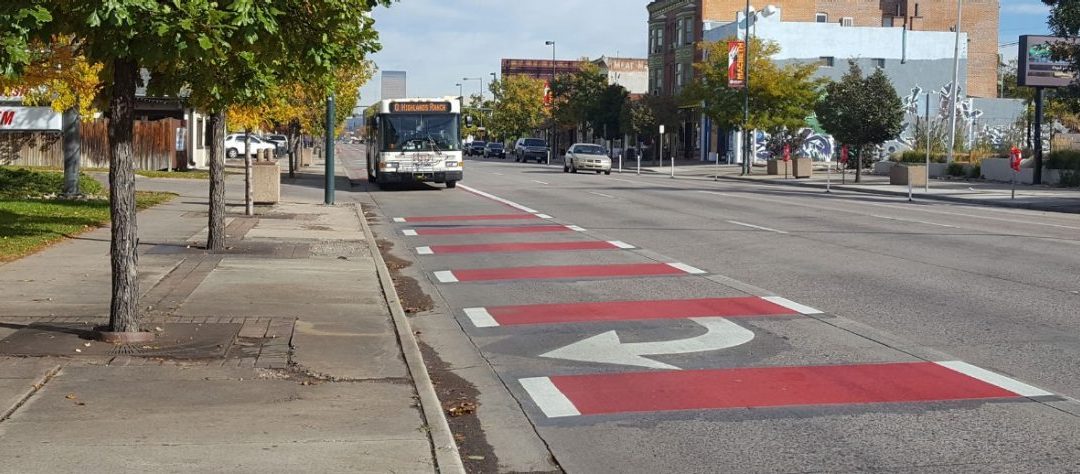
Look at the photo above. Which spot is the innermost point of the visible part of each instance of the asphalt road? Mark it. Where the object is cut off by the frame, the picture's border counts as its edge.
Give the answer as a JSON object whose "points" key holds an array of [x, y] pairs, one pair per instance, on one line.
{"points": [[750, 328]]}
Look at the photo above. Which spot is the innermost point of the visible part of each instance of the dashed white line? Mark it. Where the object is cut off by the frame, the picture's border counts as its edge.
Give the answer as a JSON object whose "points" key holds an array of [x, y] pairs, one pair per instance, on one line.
{"points": [[752, 226], [481, 318], [620, 244], [541, 182], [549, 398], [424, 251], [399, 220], [446, 277], [1014, 386], [544, 216], [796, 307], [575, 228], [409, 232], [915, 221], [687, 268], [602, 194]]}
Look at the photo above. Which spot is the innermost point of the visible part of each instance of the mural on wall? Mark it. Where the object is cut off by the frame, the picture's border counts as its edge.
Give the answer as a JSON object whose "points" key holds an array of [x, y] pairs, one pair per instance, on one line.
{"points": [[817, 146]]}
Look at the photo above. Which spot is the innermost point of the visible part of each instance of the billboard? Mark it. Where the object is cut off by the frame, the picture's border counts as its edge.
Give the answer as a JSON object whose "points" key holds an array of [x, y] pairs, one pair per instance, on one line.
{"points": [[1036, 65], [736, 63], [28, 119]]}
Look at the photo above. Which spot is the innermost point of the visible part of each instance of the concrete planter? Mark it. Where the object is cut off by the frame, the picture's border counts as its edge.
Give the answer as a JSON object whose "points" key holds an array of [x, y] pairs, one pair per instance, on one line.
{"points": [[306, 156], [907, 173], [998, 169], [803, 167], [266, 182], [881, 168], [778, 168]]}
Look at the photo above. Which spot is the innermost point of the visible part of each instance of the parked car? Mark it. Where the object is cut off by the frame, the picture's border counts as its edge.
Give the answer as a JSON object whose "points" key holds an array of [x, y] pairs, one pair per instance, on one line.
{"points": [[476, 148], [281, 141], [587, 157], [494, 150], [234, 145], [530, 149]]}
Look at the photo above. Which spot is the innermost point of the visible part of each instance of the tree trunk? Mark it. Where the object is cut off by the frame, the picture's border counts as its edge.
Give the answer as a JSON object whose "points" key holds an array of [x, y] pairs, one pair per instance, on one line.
{"points": [[249, 208], [124, 309], [294, 147], [216, 235], [72, 145]]}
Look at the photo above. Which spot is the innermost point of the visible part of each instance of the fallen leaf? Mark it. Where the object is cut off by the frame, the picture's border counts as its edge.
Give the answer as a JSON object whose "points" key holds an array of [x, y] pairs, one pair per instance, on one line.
{"points": [[86, 345], [462, 409], [475, 458], [71, 396], [78, 350]]}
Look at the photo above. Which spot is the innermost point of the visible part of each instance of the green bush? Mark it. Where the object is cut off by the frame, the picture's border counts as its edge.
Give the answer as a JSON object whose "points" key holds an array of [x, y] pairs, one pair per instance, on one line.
{"points": [[915, 156], [1064, 160], [975, 172], [955, 169], [1070, 179], [22, 183]]}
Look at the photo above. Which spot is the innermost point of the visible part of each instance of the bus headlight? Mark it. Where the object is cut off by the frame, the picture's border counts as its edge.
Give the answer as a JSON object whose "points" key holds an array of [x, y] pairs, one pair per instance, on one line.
{"points": [[453, 164], [390, 166]]}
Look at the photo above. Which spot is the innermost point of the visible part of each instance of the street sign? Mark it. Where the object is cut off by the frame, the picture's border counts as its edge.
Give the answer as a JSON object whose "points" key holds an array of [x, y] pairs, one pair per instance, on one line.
{"points": [[736, 64], [844, 154], [661, 129], [26, 119], [1036, 66]]}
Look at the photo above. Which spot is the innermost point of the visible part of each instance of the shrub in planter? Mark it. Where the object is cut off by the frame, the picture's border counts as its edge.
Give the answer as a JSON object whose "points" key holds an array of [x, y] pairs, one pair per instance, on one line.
{"points": [[955, 169], [975, 172], [915, 156]]}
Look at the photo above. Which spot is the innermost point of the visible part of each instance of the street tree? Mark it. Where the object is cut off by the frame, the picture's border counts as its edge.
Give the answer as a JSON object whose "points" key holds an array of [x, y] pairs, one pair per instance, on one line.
{"points": [[781, 96], [861, 111], [604, 116], [224, 54], [60, 77], [518, 107], [575, 95], [636, 118]]}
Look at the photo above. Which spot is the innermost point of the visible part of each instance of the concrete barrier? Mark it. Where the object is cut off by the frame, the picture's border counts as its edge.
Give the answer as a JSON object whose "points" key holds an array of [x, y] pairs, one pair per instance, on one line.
{"points": [[998, 169], [907, 173], [266, 182], [778, 168], [803, 167]]}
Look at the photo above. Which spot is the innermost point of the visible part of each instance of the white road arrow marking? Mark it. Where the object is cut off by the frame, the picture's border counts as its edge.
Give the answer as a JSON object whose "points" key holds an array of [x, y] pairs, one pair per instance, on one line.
{"points": [[606, 348]]}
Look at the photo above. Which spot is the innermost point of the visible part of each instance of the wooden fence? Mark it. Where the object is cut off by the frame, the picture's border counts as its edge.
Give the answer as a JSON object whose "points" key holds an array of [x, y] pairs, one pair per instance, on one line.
{"points": [[155, 146]]}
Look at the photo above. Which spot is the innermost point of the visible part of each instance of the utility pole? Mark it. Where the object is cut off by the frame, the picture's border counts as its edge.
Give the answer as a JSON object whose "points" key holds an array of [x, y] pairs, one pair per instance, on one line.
{"points": [[955, 80], [328, 154], [746, 94], [554, 126]]}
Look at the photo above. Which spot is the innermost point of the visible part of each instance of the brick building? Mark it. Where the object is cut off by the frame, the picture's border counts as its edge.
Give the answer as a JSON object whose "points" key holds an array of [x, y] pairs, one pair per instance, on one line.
{"points": [[676, 25], [538, 68]]}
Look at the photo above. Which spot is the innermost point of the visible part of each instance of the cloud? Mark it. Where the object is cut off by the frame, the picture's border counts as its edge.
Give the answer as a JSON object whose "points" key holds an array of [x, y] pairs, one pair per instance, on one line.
{"points": [[1026, 8]]}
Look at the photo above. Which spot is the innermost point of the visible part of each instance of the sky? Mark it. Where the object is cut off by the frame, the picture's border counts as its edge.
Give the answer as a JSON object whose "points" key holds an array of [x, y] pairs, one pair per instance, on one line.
{"points": [[439, 42]]}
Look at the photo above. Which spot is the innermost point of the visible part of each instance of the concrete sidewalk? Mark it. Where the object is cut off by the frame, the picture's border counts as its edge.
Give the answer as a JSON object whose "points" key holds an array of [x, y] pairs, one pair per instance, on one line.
{"points": [[1041, 198], [313, 375]]}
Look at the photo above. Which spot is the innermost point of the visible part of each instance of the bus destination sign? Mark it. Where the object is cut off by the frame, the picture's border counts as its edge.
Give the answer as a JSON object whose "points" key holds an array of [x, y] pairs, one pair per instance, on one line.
{"points": [[419, 107]]}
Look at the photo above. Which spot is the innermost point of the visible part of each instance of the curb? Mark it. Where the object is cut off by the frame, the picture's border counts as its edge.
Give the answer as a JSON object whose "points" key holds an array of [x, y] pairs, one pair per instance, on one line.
{"points": [[447, 457], [882, 192]]}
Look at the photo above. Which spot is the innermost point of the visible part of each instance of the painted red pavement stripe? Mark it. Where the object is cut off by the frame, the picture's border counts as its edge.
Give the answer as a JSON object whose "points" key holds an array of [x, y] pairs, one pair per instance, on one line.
{"points": [[749, 306], [524, 247], [570, 271], [529, 229], [769, 387], [482, 217]]}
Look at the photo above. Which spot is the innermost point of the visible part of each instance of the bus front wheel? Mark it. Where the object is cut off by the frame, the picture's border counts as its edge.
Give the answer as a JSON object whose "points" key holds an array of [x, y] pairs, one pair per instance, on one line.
{"points": [[451, 184]]}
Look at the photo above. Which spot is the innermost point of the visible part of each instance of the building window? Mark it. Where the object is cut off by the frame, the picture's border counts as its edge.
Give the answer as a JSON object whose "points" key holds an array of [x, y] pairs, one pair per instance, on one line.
{"points": [[887, 21], [659, 39], [820, 18], [879, 63], [690, 31], [200, 134], [678, 76], [827, 61], [847, 21], [679, 31]]}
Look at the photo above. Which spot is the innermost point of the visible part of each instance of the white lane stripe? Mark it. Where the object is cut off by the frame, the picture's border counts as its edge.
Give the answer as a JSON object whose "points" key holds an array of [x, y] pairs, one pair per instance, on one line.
{"points": [[446, 277], [992, 378], [481, 318], [752, 226], [541, 182], [912, 220], [687, 268], [544, 216], [796, 307], [424, 251], [497, 198], [409, 232], [399, 220], [620, 244], [575, 228], [602, 194], [547, 396], [715, 193]]}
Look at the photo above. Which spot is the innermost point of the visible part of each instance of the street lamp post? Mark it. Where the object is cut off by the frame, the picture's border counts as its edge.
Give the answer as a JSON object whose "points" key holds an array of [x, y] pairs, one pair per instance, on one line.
{"points": [[481, 79], [554, 129], [955, 78], [746, 96]]}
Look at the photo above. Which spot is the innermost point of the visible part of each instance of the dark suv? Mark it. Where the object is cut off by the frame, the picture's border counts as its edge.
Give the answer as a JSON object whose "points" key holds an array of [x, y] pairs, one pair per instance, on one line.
{"points": [[476, 148], [530, 149]]}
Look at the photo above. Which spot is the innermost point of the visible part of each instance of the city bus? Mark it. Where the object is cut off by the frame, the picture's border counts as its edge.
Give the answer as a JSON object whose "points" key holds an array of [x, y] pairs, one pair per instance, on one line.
{"points": [[414, 140]]}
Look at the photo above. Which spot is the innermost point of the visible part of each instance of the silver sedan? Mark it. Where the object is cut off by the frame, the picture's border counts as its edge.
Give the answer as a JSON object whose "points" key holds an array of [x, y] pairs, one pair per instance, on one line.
{"points": [[587, 157]]}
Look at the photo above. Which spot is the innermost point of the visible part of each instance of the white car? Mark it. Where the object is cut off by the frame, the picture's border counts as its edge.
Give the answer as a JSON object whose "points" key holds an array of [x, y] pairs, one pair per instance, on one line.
{"points": [[234, 145], [587, 157]]}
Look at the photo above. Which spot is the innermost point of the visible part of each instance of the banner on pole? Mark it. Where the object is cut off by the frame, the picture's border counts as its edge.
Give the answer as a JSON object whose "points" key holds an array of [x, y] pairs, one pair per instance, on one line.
{"points": [[736, 64]]}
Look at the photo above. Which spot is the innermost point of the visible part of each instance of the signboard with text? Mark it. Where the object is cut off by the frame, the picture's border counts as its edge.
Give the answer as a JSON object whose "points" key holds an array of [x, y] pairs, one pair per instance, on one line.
{"points": [[736, 64], [1037, 67], [420, 107], [26, 119]]}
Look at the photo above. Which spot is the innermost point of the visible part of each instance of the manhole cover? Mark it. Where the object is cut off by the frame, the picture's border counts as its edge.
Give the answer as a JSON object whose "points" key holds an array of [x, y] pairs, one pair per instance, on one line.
{"points": [[175, 340]]}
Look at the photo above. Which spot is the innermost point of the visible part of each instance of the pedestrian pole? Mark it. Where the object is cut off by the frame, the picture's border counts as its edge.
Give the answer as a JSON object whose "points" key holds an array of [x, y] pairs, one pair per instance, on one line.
{"points": [[328, 154], [909, 191], [639, 162], [926, 186], [828, 177], [1014, 185]]}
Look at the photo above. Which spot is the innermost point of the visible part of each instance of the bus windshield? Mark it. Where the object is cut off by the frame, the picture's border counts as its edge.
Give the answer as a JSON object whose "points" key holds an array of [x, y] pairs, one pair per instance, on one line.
{"points": [[420, 132]]}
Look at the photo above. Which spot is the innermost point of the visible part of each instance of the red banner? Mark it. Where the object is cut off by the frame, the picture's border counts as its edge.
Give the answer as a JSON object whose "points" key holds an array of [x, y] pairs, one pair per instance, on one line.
{"points": [[1016, 158], [736, 64]]}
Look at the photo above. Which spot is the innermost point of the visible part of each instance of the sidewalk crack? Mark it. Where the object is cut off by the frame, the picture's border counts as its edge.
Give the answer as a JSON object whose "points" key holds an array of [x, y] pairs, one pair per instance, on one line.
{"points": [[35, 388]]}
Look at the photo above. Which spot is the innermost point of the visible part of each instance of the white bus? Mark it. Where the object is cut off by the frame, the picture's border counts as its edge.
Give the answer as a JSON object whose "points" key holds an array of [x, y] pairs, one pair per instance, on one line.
{"points": [[414, 140]]}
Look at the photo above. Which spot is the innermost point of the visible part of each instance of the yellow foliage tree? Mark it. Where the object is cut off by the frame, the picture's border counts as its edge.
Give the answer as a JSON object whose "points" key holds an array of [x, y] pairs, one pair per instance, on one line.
{"points": [[60, 77]]}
